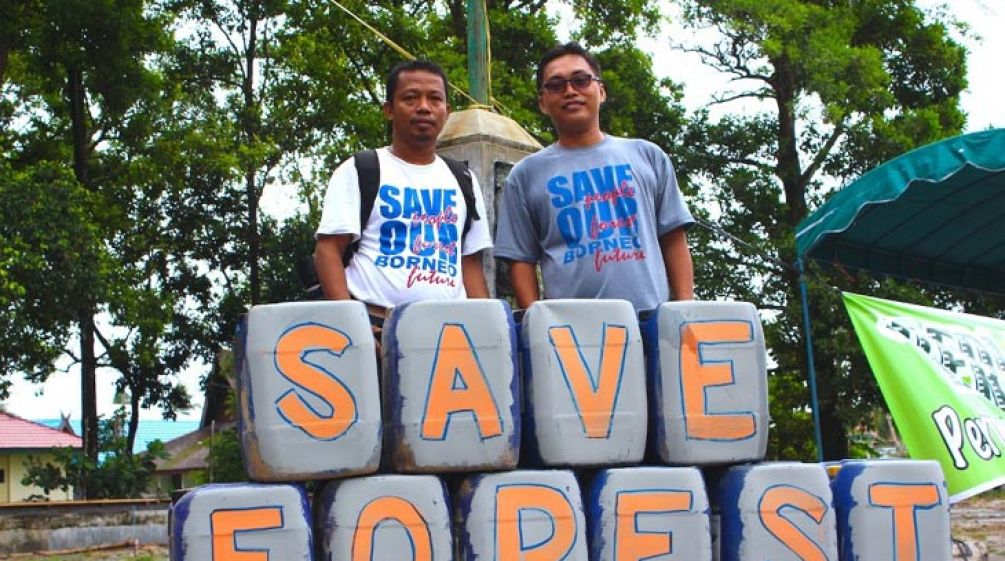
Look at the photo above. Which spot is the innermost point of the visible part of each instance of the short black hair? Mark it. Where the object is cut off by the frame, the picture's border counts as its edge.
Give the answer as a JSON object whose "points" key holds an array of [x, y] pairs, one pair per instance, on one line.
{"points": [[411, 66], [570, 48]]}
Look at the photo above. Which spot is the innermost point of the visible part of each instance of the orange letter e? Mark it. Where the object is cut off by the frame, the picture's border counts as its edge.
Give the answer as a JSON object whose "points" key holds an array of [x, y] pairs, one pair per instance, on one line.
{"points": [[226, 524]]}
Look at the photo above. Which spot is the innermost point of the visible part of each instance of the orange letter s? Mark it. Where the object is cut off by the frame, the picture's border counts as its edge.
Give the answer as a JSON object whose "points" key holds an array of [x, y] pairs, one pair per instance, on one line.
{"points": [[292, 351], [778, 497]]}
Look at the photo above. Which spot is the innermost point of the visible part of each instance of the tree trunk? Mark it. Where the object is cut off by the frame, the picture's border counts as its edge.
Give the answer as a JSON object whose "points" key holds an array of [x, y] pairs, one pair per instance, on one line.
{"points": [[76, 99], [254, 239], [834, 435], [788, 168], [134, 420], [251, 125], [88, 401], [4, 54]]}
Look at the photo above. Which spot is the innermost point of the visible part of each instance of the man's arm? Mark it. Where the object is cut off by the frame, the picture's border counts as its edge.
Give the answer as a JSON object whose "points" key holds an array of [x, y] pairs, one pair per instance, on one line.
{"points": [[523, 279], [328, 253], [474, 276], [677, 259]]}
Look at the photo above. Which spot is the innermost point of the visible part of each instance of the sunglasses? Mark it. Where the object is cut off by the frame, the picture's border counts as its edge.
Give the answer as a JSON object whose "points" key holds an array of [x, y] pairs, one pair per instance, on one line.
{"points": [[579, 82]]}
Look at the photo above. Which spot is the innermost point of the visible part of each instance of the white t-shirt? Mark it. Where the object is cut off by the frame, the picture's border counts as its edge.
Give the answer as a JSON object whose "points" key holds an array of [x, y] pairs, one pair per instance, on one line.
{"points": [[409, 250]]}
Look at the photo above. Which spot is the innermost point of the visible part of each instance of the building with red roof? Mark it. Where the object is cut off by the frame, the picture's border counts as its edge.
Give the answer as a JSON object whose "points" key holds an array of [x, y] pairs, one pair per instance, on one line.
{"points": [[20, 438]]}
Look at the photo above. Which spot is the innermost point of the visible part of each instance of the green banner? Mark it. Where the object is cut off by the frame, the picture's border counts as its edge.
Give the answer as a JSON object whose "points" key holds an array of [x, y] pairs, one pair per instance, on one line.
{"points": [[943, 377]]}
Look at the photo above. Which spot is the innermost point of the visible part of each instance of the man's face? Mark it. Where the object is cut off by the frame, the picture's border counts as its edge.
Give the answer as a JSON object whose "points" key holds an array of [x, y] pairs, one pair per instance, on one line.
{"points": [[572, 109], [419, 108]]}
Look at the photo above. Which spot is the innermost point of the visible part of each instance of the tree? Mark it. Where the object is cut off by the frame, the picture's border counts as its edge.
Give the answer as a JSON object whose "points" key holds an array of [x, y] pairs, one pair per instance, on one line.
{"points": [[98, 213], [839, 87], [117, 474]]}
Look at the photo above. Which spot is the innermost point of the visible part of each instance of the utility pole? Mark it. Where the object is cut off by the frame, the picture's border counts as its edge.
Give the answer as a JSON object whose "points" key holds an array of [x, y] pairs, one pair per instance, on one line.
{"points": [[479, 53], [489, 142]]}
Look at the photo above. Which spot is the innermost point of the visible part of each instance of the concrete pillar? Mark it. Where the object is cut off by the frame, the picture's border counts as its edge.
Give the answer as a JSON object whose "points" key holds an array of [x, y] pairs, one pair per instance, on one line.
{"points": [[491, 144]]}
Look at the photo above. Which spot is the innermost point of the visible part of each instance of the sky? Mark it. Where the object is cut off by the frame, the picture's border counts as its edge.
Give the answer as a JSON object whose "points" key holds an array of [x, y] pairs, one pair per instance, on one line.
{"points": [[982, 101]]}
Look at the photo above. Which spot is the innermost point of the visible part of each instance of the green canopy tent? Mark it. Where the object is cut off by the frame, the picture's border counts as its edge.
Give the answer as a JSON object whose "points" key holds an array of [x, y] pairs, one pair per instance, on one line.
{"points": [[935, 214]]}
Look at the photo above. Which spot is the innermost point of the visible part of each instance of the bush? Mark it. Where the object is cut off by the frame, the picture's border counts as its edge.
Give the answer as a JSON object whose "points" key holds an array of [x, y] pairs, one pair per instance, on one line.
{"points": [[118, 473]]}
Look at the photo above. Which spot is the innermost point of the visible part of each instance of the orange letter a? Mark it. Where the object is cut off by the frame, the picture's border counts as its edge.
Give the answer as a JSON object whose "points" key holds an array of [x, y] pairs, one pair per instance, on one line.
{"points": [[455, 362]]}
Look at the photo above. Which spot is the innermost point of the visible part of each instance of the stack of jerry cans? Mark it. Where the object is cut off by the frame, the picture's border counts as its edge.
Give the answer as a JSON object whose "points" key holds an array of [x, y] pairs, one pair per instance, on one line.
{"points": [[892, 509], [384, 518], [521, 515], [313, 406], [308, 391], [776, 510], [451, 389], [648, 513], [584, 372], [707, 369]]}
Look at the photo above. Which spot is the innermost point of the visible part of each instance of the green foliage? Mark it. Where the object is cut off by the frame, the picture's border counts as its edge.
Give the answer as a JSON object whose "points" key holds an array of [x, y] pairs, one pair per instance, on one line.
{"points": [[105, 213], [52, 253], [117, 474], [840, 87], [224, 459]]}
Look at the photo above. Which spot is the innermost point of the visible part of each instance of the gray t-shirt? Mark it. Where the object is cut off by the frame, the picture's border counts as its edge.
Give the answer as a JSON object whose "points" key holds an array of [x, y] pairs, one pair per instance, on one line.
{"points": [[592, 217]]}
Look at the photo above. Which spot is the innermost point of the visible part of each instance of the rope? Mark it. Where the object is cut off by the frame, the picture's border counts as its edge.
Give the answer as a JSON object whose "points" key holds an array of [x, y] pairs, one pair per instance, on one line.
{"points": [[403, 52], [715, 228]]}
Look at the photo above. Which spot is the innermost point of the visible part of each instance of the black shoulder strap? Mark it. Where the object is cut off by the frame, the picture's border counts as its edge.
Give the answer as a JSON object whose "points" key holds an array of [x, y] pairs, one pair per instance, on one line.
{"points": [[368, 174], [463, 175]]}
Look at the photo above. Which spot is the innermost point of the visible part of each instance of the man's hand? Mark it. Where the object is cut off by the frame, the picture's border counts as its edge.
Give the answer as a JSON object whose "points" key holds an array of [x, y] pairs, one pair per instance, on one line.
{"points": [[523, 279], [679, 268], [328, 253], [474, 276]]}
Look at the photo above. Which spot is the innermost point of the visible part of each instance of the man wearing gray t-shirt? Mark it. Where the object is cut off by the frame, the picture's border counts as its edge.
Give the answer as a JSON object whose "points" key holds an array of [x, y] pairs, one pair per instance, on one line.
{"points": [[602, 215]]}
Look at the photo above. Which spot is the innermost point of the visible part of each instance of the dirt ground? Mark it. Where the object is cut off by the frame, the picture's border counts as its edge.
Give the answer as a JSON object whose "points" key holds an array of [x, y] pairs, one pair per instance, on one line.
{"points": [[982, 520], [141, 553]]}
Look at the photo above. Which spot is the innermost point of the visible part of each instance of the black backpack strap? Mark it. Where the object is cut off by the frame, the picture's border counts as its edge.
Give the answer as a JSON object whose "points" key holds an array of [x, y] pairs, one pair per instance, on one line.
{"points": [[463, 176], [368, 173]]}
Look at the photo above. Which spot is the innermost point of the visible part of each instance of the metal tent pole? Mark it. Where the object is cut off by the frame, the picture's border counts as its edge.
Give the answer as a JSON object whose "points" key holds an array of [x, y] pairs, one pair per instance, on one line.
{"points": [[811, 369]]}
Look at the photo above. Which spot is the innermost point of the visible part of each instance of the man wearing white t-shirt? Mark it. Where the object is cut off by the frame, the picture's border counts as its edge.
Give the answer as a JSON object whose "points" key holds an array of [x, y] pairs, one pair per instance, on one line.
{"points": [[413, 247]]}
